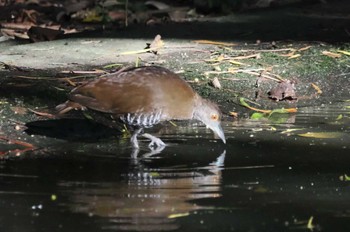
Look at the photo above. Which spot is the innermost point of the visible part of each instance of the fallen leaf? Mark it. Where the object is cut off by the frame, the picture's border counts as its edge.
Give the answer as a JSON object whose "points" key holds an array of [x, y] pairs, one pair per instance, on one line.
{"points": [[257, 56], [318, 90], [321, 135], [177, 215], [304, 48], [92, 16], [233, 114], [156, 44], [257, 115], [294, 56], [340, 117], [331, 54], [344, 52], [236, 62], [151, 47], [344, 177], [309, 225], [216, 83], [213, 42]]}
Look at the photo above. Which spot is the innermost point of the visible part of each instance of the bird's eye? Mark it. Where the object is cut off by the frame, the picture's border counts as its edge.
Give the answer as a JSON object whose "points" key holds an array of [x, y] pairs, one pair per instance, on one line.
{"points": [[214, 117]]}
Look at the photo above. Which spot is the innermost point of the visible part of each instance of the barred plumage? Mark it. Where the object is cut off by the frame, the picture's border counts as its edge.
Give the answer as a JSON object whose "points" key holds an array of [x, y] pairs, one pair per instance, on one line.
{"points": [[142, 120]]}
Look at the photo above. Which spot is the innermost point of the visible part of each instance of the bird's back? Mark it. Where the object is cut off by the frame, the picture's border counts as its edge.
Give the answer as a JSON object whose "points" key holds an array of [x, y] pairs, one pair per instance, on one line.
{"points": [[144, 90]]}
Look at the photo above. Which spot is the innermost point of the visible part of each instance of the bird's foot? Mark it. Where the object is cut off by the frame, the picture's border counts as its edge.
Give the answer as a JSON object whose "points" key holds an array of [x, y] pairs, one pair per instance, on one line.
{"points": [[154, 151], [134, 142], [155, 142]]}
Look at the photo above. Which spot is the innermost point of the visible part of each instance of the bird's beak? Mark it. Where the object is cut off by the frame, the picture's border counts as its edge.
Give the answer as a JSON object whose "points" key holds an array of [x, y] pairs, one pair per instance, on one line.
{"points": [[219, 132]]}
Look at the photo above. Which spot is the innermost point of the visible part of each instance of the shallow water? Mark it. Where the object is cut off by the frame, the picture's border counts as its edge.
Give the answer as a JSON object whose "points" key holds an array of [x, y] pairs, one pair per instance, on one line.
{"points": [[266, 178]]}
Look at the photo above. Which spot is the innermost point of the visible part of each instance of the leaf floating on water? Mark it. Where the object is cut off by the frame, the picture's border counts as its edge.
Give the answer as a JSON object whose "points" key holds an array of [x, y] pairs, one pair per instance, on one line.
{"points": [[154, 174], [257, 115], [290, 130], [53, 197], [344, 178], [340, 117], [310, 226], [176, 215], [321, 135], [280, 111]]}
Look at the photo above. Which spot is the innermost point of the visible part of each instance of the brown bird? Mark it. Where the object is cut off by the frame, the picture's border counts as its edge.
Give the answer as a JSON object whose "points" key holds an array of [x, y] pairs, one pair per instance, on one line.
{"points": [[142, 97]]}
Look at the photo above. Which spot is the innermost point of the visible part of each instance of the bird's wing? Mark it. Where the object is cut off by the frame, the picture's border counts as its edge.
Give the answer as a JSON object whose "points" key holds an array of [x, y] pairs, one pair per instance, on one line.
{"points": [[111, 95]]}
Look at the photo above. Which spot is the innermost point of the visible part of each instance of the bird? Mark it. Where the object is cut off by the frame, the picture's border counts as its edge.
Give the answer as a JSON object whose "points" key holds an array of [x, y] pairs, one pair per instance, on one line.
{"points": [[142, 97]]}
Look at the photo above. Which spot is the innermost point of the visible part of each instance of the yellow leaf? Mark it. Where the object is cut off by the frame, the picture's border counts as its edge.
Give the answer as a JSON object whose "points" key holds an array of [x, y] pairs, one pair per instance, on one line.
{"points": [[318, 89], [310, 226], [176, 215], [344, 52], [243, 103], [340, 117], [92, 16], [294, 56], [233, 114], [235, 62], [344, 178], [321, 135]]}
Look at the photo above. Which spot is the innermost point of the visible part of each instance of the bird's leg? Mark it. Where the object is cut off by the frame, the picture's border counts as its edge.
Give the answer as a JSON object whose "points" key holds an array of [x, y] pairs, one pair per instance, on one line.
{"points": [[133, 139], [155, 142]]}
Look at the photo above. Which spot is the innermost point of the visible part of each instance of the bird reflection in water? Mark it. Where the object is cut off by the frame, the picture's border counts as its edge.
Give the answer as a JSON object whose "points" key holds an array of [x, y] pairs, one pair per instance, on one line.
{"points": [[147, 198]]}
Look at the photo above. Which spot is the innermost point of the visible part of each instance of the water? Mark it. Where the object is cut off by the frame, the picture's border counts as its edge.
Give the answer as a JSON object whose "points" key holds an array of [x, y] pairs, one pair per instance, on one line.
{"points": [[266, 178]]}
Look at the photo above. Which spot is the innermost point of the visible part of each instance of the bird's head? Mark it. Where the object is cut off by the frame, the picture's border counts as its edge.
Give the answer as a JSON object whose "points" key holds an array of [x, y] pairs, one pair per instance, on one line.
{"points": [[210, 114]]}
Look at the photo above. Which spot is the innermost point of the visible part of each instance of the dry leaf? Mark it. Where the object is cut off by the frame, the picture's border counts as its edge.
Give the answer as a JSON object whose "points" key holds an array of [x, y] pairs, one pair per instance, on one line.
{"points": [[318, 89], [213, 42], [331, 54], [256, 56], [176, 215], [216, 83], [236, 62], [294, 56], [304, 48], [233, 114]]}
